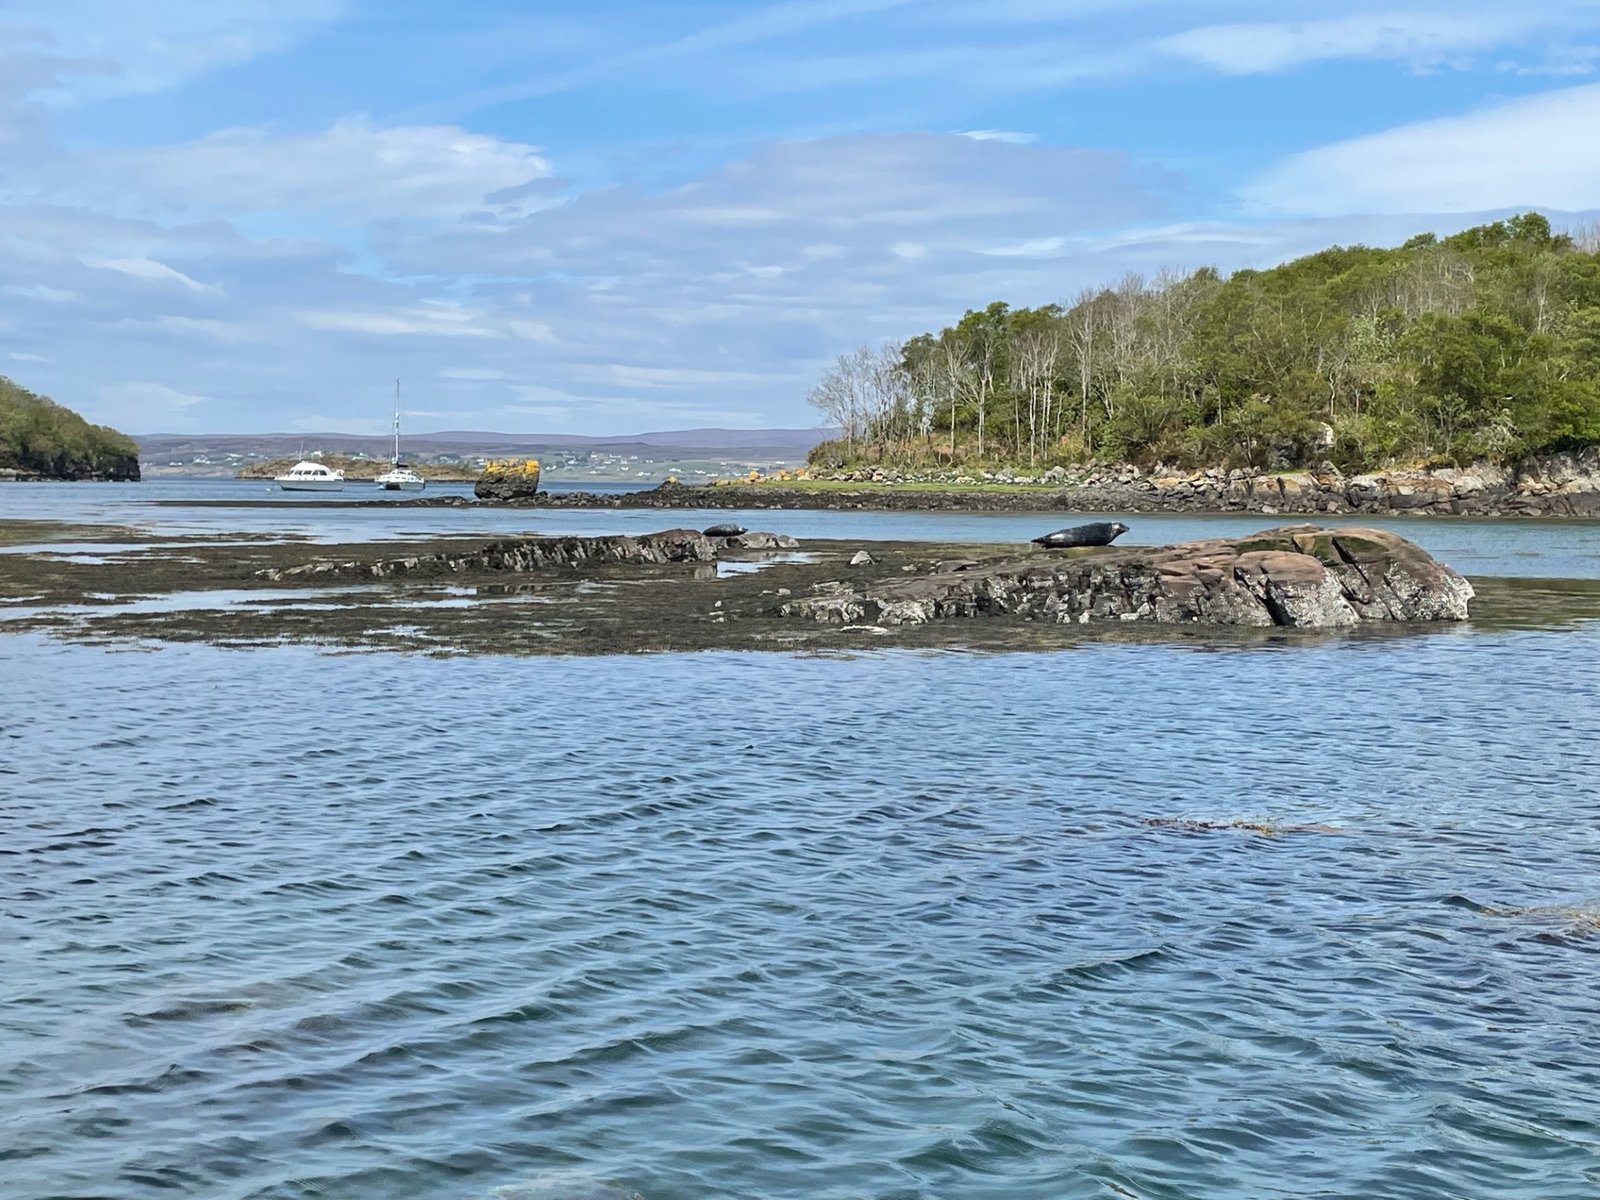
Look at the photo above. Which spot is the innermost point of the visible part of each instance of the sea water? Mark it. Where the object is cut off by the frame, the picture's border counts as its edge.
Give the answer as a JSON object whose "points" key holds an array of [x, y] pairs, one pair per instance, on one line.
{"points": [[1300, 918]]}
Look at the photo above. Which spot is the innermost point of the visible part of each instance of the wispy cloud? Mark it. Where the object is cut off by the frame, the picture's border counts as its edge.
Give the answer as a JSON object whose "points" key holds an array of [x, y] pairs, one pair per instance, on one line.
{"points": [[154, 44], [1417, 38], [1532, 152], [353, 170], [151, 271]]}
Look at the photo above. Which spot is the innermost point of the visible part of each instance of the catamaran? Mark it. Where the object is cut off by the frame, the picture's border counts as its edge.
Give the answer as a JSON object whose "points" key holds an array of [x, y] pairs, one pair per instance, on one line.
{"points": [[399, 477]]}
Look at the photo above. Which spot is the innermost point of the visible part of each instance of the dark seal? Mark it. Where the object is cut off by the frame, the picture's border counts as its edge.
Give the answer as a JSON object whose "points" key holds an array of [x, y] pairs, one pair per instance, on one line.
{"points": [[1101, 533], [728, 530]]}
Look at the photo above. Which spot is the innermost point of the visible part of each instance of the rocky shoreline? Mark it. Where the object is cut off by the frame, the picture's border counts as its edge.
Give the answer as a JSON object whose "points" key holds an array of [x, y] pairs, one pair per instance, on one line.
{"points": [[1564, 485]]}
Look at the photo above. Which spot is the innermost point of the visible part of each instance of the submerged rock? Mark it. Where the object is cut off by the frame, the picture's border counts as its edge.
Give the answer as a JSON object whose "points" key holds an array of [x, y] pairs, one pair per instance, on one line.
{"points": [[1299, 576]]}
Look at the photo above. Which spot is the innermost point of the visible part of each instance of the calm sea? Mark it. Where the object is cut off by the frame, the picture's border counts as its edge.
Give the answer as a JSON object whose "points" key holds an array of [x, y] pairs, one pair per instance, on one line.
{"points": [[280, 924]]}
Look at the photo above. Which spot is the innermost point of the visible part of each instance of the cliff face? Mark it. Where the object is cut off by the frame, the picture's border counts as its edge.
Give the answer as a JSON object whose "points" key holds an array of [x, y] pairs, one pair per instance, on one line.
{"points": [[40, 439]]}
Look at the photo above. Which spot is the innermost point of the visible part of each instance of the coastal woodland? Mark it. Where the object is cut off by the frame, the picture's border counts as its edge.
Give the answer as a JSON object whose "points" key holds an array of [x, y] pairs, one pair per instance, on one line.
{"points": [[1481, 346], [42, 439]]}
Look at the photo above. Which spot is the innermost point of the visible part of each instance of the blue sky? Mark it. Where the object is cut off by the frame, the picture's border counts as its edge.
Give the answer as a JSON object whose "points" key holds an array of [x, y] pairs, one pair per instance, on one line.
{"points": [[620, 215]]}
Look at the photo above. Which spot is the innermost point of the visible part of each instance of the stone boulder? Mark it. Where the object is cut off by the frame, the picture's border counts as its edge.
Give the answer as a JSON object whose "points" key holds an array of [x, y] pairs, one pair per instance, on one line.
{"points": [[516, 480], [1298, 576]]}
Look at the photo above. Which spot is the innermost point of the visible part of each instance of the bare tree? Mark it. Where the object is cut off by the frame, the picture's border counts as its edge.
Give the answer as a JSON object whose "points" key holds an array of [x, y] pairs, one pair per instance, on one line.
{"points": [[1084, 326], [1034, 355]]}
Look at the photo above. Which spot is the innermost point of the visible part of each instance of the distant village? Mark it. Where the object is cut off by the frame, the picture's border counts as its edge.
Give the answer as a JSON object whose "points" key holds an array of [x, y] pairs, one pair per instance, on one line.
{"points": [[598, 466]]}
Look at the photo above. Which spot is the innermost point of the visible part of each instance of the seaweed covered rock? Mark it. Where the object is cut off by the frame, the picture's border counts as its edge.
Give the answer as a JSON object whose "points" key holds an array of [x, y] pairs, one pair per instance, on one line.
{"points": [[525, 554], [1298, 576]]}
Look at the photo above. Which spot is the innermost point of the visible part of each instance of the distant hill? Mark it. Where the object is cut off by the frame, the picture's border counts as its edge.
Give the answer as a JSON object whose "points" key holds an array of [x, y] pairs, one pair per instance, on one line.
{"points": [[742, 444], [356, 468], [40, 439]]}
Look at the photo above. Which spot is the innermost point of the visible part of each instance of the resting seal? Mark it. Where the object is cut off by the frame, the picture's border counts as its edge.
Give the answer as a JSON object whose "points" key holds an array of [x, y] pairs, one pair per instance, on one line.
{"points": [[728, 530], [1101, 533]]}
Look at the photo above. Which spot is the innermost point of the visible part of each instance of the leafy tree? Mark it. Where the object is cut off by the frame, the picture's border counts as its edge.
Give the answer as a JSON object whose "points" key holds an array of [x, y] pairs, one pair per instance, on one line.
{"points": [[1484, 344], [40, 437]]}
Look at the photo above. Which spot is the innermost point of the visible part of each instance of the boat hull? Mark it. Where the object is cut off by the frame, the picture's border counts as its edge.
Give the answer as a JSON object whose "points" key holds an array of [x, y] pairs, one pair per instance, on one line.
{"points": [[311, 485], [407, 485]]}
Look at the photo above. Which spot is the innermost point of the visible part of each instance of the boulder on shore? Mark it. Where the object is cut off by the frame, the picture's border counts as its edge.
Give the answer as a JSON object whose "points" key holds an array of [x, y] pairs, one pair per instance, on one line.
{"points": [[1299, 575], [514, 480]]}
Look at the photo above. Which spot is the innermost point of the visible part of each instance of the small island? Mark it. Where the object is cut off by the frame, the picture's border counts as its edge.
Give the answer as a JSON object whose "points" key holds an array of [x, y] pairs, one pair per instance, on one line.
{"points": [[43, 440]]}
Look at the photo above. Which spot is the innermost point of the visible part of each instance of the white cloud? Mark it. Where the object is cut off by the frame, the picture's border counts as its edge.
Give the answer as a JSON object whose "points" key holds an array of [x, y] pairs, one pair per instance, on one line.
{"points": [[1000, 135], [151, 270], [1421, 38], [155, 43], [41, 291], [473, 374], [353, 170], [430, 318], [150, 398], [660, 377], [437, 319], [1539, 151], [1042, 247], [228, 332]]}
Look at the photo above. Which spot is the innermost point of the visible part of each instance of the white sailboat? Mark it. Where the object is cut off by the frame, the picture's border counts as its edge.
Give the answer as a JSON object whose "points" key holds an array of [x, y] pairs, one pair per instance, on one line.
{"points": [[399, 477]]}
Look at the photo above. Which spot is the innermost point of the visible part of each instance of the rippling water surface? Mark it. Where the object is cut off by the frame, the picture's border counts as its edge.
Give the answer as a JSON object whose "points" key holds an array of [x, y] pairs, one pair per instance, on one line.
{"points": [[282, 925]]}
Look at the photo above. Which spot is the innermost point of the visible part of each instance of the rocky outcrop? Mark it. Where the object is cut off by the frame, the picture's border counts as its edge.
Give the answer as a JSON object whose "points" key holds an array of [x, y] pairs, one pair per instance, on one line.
{"points": [[508, 481], [546, 553], [1299, 576]]}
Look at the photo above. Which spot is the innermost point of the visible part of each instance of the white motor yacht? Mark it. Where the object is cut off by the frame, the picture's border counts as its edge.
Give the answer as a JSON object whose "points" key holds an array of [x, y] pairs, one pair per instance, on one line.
{"points": [[308, 476], [399, 477]]}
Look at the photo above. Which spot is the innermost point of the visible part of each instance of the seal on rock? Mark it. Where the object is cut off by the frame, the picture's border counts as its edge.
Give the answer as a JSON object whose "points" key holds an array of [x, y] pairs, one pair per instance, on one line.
{"points": [[1101, 533], [728, 530]]}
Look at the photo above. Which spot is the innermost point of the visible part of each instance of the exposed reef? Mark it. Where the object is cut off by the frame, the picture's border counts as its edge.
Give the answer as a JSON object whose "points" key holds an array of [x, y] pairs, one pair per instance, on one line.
{"points": [[1298, 576], [681, 589]]}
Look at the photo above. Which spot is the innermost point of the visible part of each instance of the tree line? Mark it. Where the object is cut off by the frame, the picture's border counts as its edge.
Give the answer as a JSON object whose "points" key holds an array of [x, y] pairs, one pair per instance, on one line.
{"points": [[1484, 345], [40, 437]]}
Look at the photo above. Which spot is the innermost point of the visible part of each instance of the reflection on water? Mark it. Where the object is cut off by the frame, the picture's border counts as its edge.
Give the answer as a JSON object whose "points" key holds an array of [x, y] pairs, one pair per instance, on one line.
{"points": [[892, 925]]}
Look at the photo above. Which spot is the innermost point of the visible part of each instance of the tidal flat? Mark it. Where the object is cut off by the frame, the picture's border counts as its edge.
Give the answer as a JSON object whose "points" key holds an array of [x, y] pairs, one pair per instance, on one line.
{"points": [[103, 584]]}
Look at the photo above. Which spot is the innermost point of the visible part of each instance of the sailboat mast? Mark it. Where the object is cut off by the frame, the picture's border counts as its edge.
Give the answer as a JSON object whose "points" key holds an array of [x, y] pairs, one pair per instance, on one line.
{"points": [[397, 422]]}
